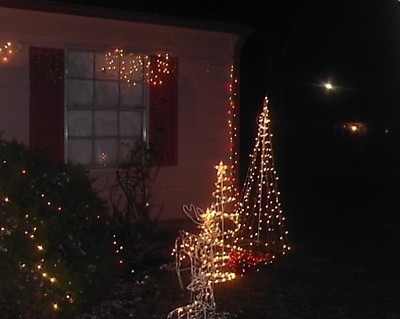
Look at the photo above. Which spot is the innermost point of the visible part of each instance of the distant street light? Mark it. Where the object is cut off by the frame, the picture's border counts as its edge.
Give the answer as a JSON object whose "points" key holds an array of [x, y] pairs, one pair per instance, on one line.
{"points": [[328, 86]]}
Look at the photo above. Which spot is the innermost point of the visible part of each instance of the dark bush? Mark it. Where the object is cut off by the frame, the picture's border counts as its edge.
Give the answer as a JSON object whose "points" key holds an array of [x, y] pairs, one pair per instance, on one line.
{"points": [[57, 256]]}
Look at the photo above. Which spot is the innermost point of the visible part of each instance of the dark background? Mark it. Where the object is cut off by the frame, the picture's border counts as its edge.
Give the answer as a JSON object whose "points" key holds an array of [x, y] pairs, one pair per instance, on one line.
{"points": [[329, 181], [340, 192]]}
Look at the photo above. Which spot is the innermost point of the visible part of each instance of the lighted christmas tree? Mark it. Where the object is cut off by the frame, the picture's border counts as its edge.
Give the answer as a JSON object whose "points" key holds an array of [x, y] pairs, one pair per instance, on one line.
{"points": [[207, 254], [262, 235]]}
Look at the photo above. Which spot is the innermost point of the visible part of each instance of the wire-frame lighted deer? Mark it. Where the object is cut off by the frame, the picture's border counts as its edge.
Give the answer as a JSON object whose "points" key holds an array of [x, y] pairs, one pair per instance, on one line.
{"points": [[207, 253]]}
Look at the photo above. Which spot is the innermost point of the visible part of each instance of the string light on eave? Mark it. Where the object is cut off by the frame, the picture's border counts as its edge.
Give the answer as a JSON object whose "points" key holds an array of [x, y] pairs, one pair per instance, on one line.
{"points": [[130, 66], [7, 50], [133, 67], [162, 67], [262, 233]]}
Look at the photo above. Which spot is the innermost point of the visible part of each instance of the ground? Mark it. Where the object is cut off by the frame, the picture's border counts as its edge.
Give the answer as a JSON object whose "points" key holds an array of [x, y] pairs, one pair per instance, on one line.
{"points": [[344, 262], [346, 279]]}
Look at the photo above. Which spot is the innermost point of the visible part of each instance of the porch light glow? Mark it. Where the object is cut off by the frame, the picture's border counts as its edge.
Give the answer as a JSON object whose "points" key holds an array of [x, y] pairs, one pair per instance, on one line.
{"points": [[356, 128]]}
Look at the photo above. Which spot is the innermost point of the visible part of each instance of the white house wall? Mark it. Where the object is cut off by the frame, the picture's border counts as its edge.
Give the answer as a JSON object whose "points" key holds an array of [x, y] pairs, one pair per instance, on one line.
{"points": [[205, 59]]}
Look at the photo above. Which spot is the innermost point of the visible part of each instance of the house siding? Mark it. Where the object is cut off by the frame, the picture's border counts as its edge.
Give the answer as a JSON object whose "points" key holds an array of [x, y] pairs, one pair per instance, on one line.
{"points": [[205, 59]]}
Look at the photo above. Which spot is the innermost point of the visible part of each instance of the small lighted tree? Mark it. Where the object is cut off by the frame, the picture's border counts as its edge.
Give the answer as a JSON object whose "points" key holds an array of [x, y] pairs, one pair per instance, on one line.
{"points": [[207, 254], [262, 235]]}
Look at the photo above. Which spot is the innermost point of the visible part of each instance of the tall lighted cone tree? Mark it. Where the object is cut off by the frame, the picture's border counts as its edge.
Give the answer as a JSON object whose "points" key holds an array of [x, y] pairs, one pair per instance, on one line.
{"points": [[262, 235]]}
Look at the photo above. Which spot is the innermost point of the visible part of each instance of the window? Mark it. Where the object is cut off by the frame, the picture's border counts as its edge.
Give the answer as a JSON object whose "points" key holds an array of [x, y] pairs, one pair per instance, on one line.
{"points": [[106, 105], [90, 107]]}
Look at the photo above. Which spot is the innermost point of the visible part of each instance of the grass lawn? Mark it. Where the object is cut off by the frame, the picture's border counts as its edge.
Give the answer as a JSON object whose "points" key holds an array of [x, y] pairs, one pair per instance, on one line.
{"points": [[320, 278]]}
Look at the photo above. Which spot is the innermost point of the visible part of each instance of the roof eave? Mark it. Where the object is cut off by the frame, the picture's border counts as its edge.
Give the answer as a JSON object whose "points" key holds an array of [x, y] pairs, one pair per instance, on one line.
{"points": [[129, 15]]}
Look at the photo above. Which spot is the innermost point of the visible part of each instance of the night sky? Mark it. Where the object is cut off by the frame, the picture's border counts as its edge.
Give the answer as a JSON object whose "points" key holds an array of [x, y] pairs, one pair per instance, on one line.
{"points": [[329, 180], [355, 44]]}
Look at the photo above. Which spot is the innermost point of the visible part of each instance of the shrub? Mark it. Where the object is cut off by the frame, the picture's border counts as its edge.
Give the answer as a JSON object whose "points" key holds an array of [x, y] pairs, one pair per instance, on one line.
{"points": [[130, 196], [56, 245]]}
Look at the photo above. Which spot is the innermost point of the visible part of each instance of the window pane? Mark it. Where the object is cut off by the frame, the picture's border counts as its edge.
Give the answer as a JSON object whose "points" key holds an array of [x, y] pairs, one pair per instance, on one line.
{"points": [[106, 94], [79, 93], [80, 123], [124, 148], [132, 95], [131, 124], [105, 123], [80, 64], [105, 151], [80, 151], [107, 65]]}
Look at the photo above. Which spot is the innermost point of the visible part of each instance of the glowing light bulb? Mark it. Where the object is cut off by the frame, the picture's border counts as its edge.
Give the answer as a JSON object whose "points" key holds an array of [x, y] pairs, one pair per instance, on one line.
{"points": [[328, 86]]}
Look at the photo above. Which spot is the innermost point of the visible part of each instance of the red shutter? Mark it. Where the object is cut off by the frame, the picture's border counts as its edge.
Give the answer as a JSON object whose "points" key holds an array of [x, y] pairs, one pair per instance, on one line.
{"points": [[163, 112], [46, 120]]}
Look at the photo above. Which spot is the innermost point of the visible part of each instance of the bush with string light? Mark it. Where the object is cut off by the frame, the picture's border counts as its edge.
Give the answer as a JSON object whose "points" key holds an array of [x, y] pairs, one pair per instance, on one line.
{"points": [[56, 252]]}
